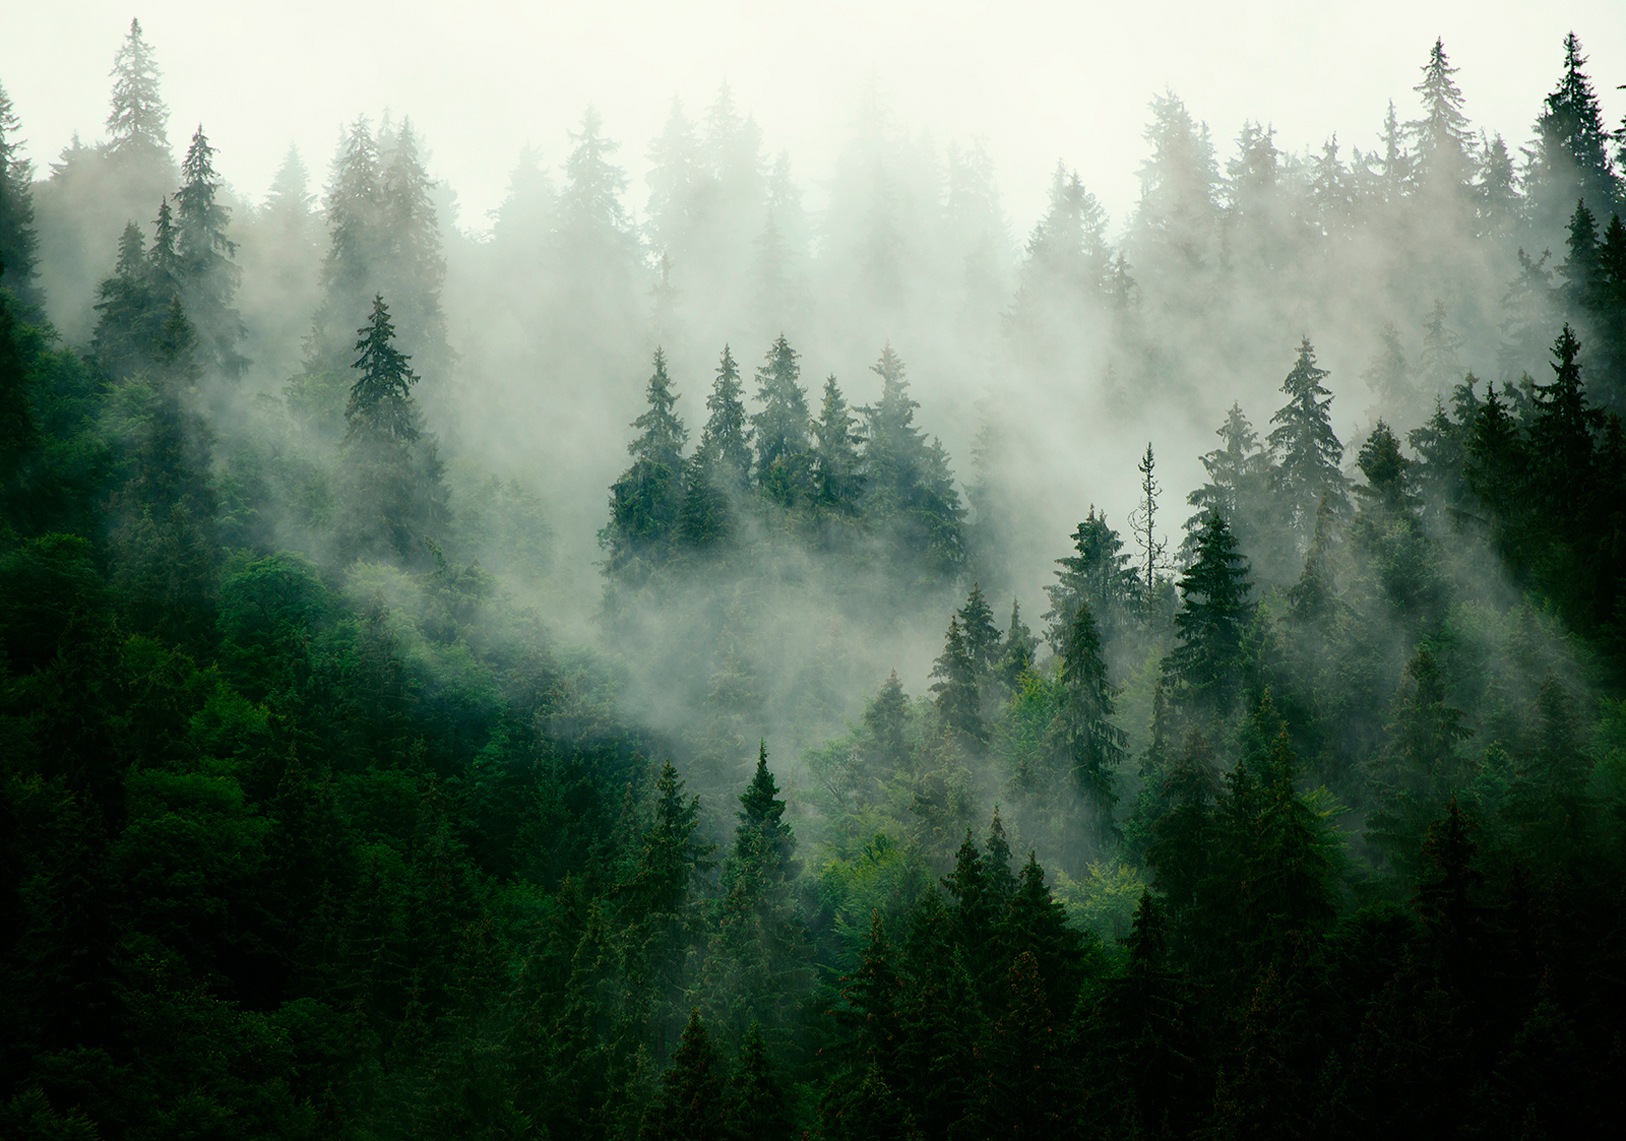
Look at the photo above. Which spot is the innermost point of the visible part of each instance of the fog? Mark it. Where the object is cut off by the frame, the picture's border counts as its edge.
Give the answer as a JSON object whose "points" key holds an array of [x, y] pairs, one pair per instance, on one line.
{"points": [[1056, 222]]}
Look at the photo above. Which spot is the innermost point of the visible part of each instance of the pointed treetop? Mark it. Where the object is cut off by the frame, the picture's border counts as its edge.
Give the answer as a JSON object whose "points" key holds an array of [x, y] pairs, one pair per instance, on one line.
{"points": [[138, 121]]}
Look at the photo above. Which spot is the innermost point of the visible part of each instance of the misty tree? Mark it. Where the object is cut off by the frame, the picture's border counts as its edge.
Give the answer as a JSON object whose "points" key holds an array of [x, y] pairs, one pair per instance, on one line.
{"points": [[679, 191], [1097, 575], [957, 694], [1581, 272], [1330, 192], [1305, 448], [777, 280], [1570, 161], [1214, 614], [1067, 264], [784, 452], [838, 481], [138, 123], [1256, 210], [982, 637], [1237, 485], [725, 440], [409, 265], [759, 969], [1442, 147], [597, 285], [128, 317], [646, 500], [1176, 217], [1389, 374], [354, 234], [1089, 746], [209, 276], [910, 491], [395, 505], [18, 240], [1143, 524], [692, 1099], [1017, 652], [976, 223], [1498, 204]]}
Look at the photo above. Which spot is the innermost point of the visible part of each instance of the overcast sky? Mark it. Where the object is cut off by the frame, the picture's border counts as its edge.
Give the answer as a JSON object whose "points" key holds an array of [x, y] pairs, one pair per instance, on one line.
{"points": [[1037, 81]]}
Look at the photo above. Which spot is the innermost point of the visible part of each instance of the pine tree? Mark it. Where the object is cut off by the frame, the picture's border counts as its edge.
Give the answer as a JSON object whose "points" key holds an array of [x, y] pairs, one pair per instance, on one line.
{"points": [[1443, 147], [1571, 159], [1563, 429], [759, 966], [646, 502], [758, 1106], [1237, 484], [692, 1102], [981, 635], [784, 453], [1389, 375], [18, 432], [1099, 576], [725, 445], [408, 263], [137, 125], [1305, 448], [18, 240], [1497, 202], [910, 492], [838, 482], [1213, 616], [209, 277], [1087, 744], [396, 498], [128, 313], [1016, 654], [959, 701], [1143, 523]]}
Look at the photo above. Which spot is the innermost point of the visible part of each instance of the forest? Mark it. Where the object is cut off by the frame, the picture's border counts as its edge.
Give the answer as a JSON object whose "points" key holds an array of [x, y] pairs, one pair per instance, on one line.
{"points": [[693, 663]]}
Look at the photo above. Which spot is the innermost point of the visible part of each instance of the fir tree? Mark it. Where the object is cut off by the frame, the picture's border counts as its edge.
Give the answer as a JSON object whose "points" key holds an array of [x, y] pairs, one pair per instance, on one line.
{"points": [[1571, 159], [981, 635], [1443, 147], [1236, 486], [396, 498], [838, 482], [18, 240], [758, 1106], [1213, 616], [692, 1102], [725, 445], [1016, 655], [959, 702], [909, 489], [1143, 523], [1306, 449], [1088, 745], [1099, 576], [646, 502], [784, 454], [209, 277], [137, 125]]}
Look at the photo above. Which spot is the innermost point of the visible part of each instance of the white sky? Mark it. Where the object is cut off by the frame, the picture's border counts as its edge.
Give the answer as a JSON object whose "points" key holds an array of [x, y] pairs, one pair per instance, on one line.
{"points": [[1037, 81]]}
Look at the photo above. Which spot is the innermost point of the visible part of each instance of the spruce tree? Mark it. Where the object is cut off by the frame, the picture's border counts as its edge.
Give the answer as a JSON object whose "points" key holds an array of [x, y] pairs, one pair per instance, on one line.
{"points": [[1143, 523], [725, 444], [981, 635], [838, 482], [1571, 159], [1097, 575], [137, 125], [408, 263], [18, 240], [958, 700], [692, 1102], [648, 498], [1238, 471], [396, 502], [1016, 654], [758, 1104], [1213, 616], [910, 492], [1087, 744], [784, 453], [1442, 144], [209, 277], [1305, 448]]}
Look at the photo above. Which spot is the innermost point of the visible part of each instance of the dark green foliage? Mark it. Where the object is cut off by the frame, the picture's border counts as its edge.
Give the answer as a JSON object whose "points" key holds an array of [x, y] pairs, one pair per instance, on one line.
{"points": [[1088, 745], [1305, 449], [1099, 576], [725, 445], [691, 1103], [18, 241], [209, 277], [396, 500], [958, 698], [838, 484], [781, 429], [1214, 613]]}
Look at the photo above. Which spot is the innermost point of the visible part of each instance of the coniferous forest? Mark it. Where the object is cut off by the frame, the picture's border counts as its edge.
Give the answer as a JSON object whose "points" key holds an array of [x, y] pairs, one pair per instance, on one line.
{"points": [[697, 663]]}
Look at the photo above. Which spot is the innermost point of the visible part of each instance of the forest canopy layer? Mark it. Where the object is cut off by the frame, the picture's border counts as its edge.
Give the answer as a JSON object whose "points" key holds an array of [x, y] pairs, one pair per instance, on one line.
{"points": [[719, 668]]}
